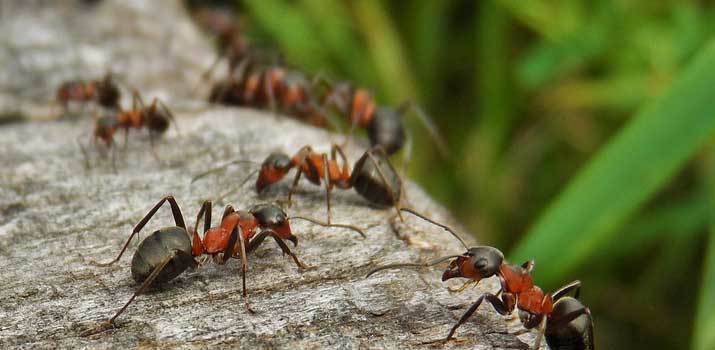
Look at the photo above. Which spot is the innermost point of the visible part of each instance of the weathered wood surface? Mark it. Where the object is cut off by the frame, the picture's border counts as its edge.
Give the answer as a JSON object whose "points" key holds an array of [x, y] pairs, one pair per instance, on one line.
{"points": [[56, 216]]}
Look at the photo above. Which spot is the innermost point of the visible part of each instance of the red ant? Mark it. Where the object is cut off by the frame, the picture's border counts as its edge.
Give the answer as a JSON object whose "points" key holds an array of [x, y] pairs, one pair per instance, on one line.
{"points": [[104, 91], [274, 87], [232, 44], [156, 118], [563, 320], [169, 251], [373, 177], [384, 125]]}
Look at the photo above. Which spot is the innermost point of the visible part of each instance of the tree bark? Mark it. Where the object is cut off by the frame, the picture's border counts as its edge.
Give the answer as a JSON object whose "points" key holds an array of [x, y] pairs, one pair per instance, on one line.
{"points": [[56, 216]]}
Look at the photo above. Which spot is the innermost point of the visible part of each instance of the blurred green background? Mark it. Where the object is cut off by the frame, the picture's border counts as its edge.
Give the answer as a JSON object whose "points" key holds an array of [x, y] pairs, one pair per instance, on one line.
{"points": [[581, 135]]}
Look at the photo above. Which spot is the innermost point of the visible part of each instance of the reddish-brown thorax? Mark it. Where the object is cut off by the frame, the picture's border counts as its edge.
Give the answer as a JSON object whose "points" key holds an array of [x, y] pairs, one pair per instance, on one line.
{"points": [[216, 239], [518, 281], [363, 108], [131, 119], [76, 91]]}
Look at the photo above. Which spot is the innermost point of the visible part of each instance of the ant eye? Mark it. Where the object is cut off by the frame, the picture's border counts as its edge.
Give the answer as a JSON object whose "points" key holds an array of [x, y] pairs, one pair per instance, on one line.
{"points": [[482, 265]]}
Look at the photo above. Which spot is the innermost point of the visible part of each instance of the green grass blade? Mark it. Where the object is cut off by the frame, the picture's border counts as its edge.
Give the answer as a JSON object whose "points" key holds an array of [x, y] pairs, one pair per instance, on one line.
{"points": [[385, 47], [335, 26], [703, 335], [635, 164], [293, 31]]}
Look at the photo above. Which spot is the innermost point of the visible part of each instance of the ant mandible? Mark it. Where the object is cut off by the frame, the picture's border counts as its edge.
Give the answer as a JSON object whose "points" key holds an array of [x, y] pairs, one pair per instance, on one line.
{"points": [[104, 91], [169, 251], [564, 321], [373, 177]]}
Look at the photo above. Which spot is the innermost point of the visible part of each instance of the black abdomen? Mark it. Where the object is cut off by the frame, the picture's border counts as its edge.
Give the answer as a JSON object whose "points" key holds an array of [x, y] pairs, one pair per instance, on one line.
{"points": [[154, 249]]}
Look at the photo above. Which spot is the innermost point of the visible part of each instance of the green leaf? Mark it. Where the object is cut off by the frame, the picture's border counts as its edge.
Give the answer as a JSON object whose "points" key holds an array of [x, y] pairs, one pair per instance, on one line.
{"points": [[636, 163], [703, 335]]}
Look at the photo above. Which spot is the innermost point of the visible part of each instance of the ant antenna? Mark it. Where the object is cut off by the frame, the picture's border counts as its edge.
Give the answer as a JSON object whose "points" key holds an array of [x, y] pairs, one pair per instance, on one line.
{"points": [[243, 182], [325, 224], [429, 125], [437, 224], [222, 168], [401, 265]]}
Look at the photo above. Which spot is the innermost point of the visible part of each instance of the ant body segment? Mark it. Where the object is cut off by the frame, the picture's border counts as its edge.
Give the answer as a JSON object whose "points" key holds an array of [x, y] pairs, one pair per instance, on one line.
{"points": [[156, 118], [169, 251], [232, 44], [105, 92], [563, 320], [274, 87], [373, 177], [384, 125]]}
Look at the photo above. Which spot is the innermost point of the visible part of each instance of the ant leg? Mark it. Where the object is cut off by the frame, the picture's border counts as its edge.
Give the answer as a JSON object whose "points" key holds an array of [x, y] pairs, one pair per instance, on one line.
{"points": [[271, 96], [298, 172], [574, 286], [126, 139], [114, 156], [407, 155], [227, 211], [326, 224], [429, 124], [463, 287], [207, 74], [168, 113], [491, 298], [154, 274], [237, 236], [197, 247], [175, 211], [258, 239], [540, 334], [395, 201], [137, 100], [84, 152], [328, 185], [152, 145]]}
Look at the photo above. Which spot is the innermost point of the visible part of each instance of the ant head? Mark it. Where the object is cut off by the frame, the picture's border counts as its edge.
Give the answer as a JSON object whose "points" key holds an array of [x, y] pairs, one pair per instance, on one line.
{"points": [[569, 323], [273, 217], [477, 263], [386, 129], [273, 169], [375, 179]]}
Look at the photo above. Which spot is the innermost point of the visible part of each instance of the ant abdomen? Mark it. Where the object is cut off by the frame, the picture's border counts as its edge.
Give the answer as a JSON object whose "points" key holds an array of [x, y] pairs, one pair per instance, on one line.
{"points": [[167, 242], [387, 130], [375, 179], [576, 333]]}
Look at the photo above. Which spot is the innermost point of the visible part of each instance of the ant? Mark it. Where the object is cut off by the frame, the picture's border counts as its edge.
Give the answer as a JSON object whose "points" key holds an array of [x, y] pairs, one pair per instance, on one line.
{"points": [[232, 44], [169, 251], [373, 177], [156, 118], [384, 125], [275, 87], [564, 321], [104, 91]]}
